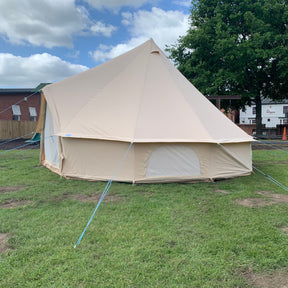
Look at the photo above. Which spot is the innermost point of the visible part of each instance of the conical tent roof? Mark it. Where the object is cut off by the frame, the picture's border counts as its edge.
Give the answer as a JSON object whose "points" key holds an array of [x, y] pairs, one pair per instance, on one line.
{"points": [[137, 97]]}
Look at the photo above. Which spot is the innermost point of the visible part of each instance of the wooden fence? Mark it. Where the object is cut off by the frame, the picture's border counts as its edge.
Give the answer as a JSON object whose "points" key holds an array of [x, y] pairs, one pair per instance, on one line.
{"points": [[13, 129]]}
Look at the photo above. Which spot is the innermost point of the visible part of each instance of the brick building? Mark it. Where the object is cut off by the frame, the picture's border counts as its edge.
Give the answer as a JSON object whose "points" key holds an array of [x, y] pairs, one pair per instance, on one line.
{"points": [[20, 104]]}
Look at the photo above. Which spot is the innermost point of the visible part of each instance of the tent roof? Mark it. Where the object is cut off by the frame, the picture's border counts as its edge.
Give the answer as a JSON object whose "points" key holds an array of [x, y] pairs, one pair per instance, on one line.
{"points": [[137, 97]]}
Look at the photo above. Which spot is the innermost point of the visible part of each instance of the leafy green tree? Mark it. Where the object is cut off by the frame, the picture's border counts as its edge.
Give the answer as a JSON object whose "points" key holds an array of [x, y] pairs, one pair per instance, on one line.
{"points": [[236, 47]]}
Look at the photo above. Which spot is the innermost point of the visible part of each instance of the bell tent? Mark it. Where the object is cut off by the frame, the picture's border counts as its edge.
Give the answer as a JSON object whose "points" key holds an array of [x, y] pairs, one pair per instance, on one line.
{"points": [[139, 97]]}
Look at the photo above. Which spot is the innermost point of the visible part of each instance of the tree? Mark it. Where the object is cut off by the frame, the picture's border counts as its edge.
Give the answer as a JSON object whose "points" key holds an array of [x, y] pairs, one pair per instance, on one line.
{"points": [[236, 47]]}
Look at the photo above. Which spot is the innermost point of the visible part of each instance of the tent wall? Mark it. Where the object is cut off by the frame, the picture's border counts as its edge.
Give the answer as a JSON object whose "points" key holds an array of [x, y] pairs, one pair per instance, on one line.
{"points": [[96, 159], [230, 160], [211, 159], [151, 162]]}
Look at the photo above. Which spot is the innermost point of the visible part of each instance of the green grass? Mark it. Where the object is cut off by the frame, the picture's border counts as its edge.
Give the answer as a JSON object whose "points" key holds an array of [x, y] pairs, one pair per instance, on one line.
{"points": [[152, 235]]}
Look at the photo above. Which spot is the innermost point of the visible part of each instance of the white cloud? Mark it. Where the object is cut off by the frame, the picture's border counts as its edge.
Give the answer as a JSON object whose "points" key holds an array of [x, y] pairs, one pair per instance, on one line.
{"points": [[42, 23], [117, 4], [16, 71], [100, 28], [127, 18], [164, 27], [105, 52]]}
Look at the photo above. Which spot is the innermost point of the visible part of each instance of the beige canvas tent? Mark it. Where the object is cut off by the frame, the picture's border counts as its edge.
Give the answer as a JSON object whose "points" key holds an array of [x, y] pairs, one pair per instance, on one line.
{"points": [[139, 97]]}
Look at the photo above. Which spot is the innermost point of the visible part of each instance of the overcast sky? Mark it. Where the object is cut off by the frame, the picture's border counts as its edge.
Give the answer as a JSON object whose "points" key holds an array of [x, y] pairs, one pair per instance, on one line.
{"points": [[49, 40]]}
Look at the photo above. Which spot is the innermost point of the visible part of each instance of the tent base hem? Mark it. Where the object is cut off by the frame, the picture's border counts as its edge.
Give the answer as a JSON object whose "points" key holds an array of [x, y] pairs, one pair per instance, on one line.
{"points": [[167, 180]]}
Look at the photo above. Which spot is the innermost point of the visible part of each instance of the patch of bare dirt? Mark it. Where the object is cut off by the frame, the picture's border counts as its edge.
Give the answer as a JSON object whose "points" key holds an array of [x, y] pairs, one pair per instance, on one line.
{"points": [[3, 242], [284, 229], [6, 189], [15, 203], [277, 279], [281, 198], [5, 145], [221, 191], [254, 202], [267, 199], [90, 198]]}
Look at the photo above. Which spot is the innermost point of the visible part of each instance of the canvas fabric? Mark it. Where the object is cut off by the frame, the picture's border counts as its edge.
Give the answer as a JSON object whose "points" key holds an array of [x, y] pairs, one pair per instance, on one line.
{"points": [[139, 97], [151, 162]]}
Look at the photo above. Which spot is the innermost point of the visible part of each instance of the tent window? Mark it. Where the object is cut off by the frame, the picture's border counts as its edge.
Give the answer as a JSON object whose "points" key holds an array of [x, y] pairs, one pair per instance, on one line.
{"points": [[173, 160], [33, 113], [16, 112]]}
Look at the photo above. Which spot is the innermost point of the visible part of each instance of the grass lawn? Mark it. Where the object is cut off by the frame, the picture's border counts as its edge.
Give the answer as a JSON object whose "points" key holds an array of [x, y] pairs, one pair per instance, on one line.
{"points": [[152, 235]]}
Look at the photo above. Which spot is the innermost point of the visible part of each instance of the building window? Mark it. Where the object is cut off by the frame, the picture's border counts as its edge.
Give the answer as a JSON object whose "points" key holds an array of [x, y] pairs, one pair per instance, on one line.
{"points": [[254, 110], [16, 112], [33, 113], [16, 117], [268, 120], [252, 121], [285, 110]]}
